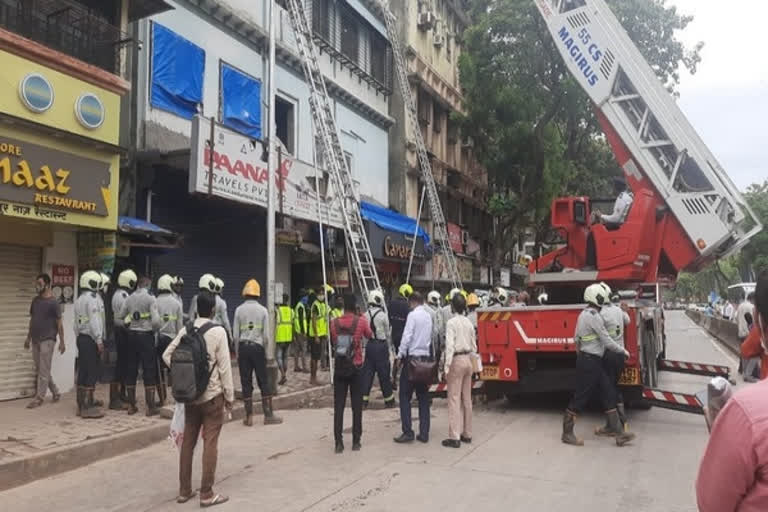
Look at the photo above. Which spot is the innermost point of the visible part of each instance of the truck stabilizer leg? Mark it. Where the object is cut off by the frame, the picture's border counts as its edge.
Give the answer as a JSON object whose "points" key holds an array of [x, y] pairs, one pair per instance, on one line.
{"points": [[707, 370], [683, 402]]}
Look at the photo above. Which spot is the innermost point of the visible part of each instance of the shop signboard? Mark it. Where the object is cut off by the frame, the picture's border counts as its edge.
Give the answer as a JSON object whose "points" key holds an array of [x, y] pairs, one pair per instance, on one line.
{"points": [[454, 238], [465, 269], [63, 283], [239, 174], [393, 246]]}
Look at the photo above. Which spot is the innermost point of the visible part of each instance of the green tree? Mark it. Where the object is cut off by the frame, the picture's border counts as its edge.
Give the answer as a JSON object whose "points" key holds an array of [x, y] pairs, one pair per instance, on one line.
{"points": [[534, 128], [755, 254]]}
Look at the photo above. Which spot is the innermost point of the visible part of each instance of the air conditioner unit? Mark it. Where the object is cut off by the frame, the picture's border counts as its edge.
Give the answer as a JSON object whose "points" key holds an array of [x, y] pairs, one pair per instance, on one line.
{"points": [[426, 20], [438, 40], [465, 237]]}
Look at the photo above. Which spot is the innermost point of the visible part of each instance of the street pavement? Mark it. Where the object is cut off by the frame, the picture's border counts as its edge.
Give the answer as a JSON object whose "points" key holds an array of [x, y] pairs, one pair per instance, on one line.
{"points": [[516, 461]]}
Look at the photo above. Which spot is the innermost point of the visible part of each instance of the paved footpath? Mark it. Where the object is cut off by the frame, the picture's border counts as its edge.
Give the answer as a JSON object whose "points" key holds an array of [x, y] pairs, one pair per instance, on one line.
{"points": [[516, 462]]}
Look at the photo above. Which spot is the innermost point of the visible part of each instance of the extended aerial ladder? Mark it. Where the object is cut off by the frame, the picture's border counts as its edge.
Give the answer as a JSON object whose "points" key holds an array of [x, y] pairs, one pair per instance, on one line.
{"points": [[320, 105]]}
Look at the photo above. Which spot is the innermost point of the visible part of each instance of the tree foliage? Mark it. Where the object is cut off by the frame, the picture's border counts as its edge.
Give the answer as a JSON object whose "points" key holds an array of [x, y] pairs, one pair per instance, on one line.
{"points": [[755, 254], [533, 127]]}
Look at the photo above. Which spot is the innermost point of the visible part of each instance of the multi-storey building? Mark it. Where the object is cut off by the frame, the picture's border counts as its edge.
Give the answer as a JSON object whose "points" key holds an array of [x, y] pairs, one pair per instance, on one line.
{"points": [[202, 72], [65, 73], [432, 30]]}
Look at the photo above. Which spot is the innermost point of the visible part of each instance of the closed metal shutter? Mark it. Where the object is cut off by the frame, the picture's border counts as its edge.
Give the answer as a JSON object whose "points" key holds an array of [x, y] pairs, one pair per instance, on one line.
{"points": [[18, 267]]}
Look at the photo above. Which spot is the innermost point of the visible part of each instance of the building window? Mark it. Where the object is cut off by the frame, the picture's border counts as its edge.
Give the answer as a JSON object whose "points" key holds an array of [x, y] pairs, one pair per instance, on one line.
{"points": [[177, 73], [381, 58], [240, 101], [350, 162], [285, 123], [437, 118], [350, 37]]}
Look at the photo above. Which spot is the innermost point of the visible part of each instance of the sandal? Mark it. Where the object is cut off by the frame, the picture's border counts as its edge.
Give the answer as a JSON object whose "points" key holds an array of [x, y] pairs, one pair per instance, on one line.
{"points": [[37, 402], [184, 499], [218, 499]]}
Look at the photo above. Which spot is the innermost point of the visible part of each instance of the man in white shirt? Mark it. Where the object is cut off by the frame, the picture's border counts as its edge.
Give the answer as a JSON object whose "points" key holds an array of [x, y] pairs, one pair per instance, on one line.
{"points": [[621, 207], [415, 344], [728, 311], [207, 412]]}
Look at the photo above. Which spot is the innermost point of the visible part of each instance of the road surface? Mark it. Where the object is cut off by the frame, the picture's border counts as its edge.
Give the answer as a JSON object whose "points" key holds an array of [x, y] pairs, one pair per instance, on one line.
{"points": [[516, 462]]}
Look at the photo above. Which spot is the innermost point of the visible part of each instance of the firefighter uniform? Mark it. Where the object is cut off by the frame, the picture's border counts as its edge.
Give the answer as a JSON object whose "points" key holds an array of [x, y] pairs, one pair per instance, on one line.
{"points": [[615, 319], [141, 314], [121, 343], [318, 328], [377, 352], [251, 328], [283, 336], [89, 332], [221, 317], [171, 322], [300, 330]]}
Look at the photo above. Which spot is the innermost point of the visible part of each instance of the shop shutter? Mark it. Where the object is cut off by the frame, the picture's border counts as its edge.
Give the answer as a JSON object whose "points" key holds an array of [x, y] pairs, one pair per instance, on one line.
{"points": [[18, 267]]}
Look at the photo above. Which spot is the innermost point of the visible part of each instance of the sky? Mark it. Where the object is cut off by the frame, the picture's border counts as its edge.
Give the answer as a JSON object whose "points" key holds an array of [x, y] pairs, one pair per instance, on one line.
{"points": [[727, 99]]}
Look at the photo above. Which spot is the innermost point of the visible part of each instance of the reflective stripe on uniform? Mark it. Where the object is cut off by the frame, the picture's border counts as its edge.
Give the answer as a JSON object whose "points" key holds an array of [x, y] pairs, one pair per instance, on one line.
{"points": [[250, 326], [588, 337]]}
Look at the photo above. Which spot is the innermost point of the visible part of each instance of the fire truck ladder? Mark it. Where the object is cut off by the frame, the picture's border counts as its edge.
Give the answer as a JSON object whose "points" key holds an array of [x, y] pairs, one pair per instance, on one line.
{"points": [[440, 228], [356, 241]]}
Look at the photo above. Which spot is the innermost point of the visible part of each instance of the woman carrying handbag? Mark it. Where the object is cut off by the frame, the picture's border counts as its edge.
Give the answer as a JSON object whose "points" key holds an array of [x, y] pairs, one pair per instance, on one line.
{"points": [[460, 350]]}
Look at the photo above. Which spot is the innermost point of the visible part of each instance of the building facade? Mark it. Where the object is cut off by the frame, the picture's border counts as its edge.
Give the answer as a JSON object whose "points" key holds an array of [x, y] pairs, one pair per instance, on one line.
{"points": [[431, 31], [199, 167], [65, 74]]}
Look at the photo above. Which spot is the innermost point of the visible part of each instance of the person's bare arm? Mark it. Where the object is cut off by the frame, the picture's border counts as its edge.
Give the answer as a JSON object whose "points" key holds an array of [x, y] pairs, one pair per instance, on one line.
{"points": [[60, 328]]}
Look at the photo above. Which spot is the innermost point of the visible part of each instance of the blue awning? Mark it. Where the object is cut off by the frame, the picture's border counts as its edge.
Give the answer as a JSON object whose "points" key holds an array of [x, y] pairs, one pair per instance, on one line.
{"points": [[391, 220], [134, 226]]}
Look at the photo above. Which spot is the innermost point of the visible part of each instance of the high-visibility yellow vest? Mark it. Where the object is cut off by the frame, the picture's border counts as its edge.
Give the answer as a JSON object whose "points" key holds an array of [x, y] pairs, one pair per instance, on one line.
{"points": [[319, 309], [336, 313], [300, 320], [284, 331]]}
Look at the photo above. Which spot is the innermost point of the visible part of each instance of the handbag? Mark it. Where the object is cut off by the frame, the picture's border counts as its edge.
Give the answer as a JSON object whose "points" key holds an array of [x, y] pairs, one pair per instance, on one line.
{"points": [[423, 371], [477, 363]]}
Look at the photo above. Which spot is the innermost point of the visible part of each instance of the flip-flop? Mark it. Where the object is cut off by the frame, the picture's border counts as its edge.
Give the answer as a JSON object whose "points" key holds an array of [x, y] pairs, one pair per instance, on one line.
{"points": [[216, 500], [184, 499]]}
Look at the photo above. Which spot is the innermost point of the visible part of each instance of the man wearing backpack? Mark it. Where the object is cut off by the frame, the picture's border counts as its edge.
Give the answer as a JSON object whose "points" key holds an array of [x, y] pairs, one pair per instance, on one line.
{"points": [[347, 333], [205, 412], [251, 333], [377, 351]]}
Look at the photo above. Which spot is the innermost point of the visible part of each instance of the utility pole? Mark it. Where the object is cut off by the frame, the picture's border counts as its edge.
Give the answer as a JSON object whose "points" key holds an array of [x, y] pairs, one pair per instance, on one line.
{"points": [[270, 140]]}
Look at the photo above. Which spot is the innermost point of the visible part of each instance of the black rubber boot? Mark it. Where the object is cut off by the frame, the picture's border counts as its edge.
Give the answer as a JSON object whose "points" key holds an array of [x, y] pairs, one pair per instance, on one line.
{"points": [[130, 391], [622, 437], [313, 373], [149, 396], [568, 437], [269, 414], [80, 400], [115, 404], [248, 420], [91, 410], [622, 414]]}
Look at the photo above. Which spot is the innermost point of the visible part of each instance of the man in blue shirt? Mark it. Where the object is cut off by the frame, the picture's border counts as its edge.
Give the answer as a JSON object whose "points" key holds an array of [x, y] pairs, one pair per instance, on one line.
{"points": [[416, 343]]}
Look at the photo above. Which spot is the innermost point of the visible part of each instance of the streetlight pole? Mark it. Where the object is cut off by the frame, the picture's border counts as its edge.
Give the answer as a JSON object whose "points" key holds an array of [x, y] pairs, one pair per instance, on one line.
{"points": [[271, 145]]}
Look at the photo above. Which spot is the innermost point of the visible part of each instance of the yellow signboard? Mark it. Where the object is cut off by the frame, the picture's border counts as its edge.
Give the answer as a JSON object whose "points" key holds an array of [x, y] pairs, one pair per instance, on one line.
{"points": [[47, 179], [46, 96]]}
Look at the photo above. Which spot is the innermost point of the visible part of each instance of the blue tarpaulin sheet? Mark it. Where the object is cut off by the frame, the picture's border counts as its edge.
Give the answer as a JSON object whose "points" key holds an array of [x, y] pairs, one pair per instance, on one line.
{"points": [[391, 220], [177, 72], [241, 102], [131, 225]]}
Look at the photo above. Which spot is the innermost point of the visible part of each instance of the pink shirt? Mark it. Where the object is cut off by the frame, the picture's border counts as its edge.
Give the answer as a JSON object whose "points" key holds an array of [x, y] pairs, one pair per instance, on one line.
{"points": [[733, 475]]}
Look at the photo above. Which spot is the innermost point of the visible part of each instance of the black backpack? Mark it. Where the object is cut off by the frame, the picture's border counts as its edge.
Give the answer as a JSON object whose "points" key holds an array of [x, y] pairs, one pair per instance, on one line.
{"points": [[345, 348], [190, 364]]}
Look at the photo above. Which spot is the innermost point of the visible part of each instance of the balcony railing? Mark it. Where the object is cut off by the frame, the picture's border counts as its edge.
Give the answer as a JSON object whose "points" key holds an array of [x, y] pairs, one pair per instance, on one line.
{"points": [[67, 27]]}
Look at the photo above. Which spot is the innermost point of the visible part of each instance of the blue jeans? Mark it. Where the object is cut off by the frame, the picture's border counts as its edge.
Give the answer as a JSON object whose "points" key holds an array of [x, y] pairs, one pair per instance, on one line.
{"points": [[406, 394]]}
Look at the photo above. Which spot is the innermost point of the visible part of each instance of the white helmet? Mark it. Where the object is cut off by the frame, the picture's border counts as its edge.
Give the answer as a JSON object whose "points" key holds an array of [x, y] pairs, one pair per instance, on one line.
{"points": [[165, 282], [607, 290], [543, 298], [90, 280], [433, 298], [219, 285], [502, 296], [127, 279], [105, 281], [207, 282], [596, 295], [453, 293], [376, 298]]}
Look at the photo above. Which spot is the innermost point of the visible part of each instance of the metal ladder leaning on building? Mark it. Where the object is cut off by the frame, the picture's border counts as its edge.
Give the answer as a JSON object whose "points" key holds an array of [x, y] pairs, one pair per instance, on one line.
{"points": [[320, 105]]}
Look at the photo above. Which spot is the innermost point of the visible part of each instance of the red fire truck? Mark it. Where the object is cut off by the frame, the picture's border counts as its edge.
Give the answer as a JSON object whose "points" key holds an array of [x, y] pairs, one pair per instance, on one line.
{"points": [[686, 213]]}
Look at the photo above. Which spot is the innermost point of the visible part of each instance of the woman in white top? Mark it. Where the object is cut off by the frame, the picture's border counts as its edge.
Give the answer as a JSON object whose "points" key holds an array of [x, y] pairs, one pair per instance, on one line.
{"points": [[460, 344]]}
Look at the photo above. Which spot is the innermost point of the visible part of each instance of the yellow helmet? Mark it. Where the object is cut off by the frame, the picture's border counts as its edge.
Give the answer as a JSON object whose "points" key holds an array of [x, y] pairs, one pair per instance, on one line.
{"points": [[473, 300], [406, 290], [90, 280], [252, 289], [165, 283], [127, 279], [329, 290]]}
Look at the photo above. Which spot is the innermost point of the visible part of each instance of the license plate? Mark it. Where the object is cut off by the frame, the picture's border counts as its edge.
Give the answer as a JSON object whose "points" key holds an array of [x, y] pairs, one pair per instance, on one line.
{"points": [[490, 373], [629, 377]]}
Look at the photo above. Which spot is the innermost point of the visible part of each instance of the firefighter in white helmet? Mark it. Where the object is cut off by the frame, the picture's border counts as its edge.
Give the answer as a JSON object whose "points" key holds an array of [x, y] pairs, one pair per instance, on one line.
{"points": [[616, 318], [171, 322], [499, 299], [377, 351], [206, 282], [126, 283], [592, 341], [89, 332], [140, 313], [438, 321]]}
